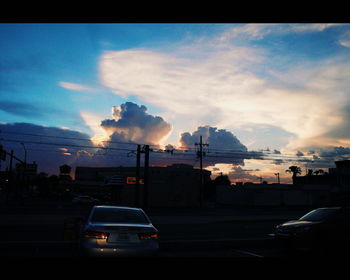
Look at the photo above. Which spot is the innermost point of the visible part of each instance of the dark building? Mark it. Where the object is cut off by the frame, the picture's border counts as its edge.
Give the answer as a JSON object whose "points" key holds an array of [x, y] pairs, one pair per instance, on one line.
{"points": [[175, 185], [29, 170], [326, 189], [342, 174], [65, 172]]}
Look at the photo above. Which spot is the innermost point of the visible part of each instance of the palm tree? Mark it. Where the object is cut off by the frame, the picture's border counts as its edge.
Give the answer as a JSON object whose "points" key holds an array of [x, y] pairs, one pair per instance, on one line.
{"points": [[320, 171], [295, 170]]}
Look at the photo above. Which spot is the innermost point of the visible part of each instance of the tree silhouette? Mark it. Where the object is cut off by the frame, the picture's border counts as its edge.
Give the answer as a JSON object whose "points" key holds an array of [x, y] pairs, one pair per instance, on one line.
{"points": [[222, 180], [319, 171], [294, 170]]}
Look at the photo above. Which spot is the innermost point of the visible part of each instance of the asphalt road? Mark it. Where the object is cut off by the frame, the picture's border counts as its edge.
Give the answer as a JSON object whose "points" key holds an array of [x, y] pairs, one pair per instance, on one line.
{"points": [[38, 231]]}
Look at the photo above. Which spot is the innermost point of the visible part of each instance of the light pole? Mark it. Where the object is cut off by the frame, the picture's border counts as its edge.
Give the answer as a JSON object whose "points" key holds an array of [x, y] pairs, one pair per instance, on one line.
{"points": [[24, 178]]}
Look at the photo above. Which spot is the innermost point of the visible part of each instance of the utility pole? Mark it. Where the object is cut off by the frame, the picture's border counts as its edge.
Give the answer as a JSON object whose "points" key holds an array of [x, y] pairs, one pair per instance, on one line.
{"points": [[137, 186], [10, 178], [10, 182], [200, 154], [144, 150], [146, 169]]}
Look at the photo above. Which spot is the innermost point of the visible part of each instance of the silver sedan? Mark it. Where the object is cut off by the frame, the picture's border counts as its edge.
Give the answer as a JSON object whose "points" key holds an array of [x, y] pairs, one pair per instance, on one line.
{"points": [[118, 231]]}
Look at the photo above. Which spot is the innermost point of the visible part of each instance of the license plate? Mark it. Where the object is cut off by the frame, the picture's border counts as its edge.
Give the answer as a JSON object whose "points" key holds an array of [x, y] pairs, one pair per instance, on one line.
{"points": [[123, 237]]}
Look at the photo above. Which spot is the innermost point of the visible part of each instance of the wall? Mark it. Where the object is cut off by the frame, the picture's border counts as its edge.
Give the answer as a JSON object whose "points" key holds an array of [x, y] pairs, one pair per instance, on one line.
{"points": [[273, 195]]}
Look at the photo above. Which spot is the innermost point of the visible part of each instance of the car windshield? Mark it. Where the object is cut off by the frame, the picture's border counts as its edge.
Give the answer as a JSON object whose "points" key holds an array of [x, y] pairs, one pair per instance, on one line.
{"points": [[117, 215], [318, 215]]}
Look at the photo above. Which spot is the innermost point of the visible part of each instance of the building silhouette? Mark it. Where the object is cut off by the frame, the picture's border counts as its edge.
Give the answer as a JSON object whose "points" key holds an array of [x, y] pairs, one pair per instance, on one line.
{"points": [[177, 185], [329, 188]]}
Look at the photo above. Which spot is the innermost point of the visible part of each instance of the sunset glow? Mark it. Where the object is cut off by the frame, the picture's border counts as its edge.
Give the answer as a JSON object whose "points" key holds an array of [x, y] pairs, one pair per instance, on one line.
{"points": [[276, 89]]}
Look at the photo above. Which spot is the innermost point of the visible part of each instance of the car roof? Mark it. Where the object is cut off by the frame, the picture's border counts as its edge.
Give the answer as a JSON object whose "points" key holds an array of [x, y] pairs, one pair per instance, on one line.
{"points": [[117, 207], [335, 208]]}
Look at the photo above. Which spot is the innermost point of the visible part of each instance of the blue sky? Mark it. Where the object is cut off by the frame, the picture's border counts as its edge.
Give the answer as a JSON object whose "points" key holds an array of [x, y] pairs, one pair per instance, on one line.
{"points": [[282, 86]]}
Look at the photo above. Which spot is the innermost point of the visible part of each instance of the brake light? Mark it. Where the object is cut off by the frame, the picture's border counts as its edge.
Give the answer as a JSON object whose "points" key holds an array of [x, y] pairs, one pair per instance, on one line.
{"points": [[148, 235], [96, 234]]}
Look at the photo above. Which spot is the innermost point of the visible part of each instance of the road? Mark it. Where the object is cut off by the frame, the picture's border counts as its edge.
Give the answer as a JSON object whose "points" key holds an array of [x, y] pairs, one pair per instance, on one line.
{"points": [[39, 232], [176, 240]]}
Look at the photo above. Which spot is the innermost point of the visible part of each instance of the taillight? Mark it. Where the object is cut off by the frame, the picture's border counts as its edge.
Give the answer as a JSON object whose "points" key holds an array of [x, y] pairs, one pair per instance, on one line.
{"points": [[148, 235], [96, 234]]}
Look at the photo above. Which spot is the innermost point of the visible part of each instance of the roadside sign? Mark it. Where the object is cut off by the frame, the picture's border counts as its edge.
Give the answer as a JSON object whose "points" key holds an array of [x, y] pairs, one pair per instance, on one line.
{"points": [[132, 181]]}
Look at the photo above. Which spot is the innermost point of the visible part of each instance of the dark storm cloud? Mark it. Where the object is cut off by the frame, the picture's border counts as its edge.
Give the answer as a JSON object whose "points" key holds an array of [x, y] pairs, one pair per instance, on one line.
{"points": [[278, 161], [223, 147], [20, 109], [299, 154], [216, 138], [28, 128], [335, 152], [35, 111], [49, 147], [324, 157]]}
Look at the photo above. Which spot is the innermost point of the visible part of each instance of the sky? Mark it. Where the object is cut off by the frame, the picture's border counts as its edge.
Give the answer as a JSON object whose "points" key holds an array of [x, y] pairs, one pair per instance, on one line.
{"points": [[263, 96]]}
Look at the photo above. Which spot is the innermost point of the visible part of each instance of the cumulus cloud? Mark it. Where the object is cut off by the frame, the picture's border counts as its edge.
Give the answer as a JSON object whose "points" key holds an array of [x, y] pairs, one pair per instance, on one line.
{"points": [[132, 123], [223, 146], [219, 88], [51, 147], [216, 138], [93, 121]]}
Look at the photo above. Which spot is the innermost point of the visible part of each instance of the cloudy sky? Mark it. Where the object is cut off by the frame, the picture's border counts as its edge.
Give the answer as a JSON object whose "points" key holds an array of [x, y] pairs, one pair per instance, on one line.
{"points": [[97, 89]]}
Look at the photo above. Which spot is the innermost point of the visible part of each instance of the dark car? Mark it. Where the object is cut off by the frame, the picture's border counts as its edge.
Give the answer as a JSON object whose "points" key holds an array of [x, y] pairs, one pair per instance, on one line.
{"points": [[327, 227]]}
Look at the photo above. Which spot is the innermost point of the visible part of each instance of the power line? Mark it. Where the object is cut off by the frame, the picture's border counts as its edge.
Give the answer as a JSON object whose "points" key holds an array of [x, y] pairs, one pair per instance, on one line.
{"points": [[228, 154], [63, 144], [69, 138], [188, 148], [238, 155], [180, 148]]}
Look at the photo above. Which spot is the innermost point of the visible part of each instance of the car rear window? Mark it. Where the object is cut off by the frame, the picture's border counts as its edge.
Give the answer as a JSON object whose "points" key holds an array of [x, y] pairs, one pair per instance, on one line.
{"points": [[114, 215]]}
